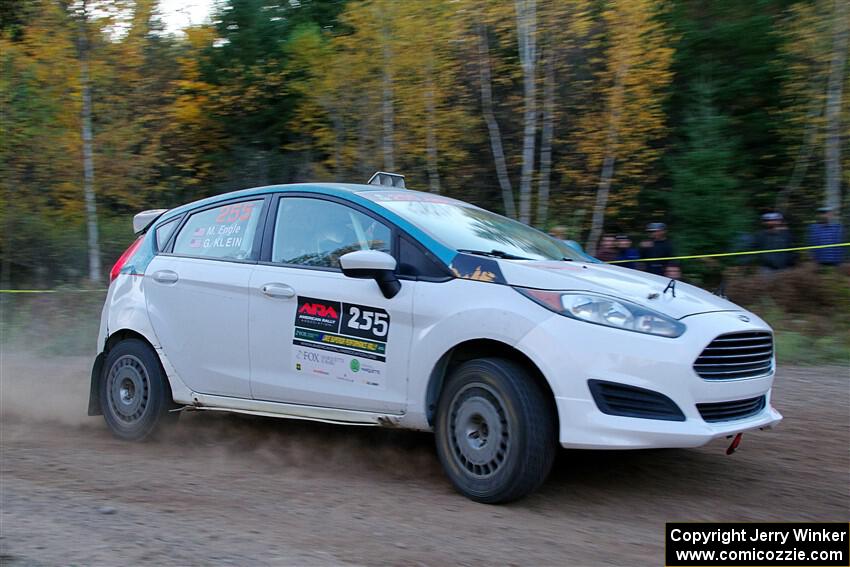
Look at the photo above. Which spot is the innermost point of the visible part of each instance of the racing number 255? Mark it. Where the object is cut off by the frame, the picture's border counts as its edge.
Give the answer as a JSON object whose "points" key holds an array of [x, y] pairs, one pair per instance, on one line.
{"points": [[361, 319]]}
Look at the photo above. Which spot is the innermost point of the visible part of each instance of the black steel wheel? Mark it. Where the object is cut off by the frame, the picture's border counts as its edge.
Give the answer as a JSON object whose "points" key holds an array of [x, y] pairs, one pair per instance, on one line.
{"points": [[134, 392], [495, 431]]}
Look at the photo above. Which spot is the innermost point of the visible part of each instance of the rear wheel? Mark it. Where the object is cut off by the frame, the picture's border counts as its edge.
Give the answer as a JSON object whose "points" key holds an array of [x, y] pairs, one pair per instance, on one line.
{"points": [[134, 393], [495, 431]]}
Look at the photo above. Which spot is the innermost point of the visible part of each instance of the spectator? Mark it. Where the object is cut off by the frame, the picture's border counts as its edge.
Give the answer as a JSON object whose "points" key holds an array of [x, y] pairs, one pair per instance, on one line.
{"points": [[673, 271], [625, 251], [607, 251], [826, 231], [558, 232], [775, 235], [656, 247]]}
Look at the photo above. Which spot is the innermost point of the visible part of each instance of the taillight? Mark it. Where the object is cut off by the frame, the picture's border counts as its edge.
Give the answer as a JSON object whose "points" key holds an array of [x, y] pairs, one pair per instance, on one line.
{"points": [[128, 253]]}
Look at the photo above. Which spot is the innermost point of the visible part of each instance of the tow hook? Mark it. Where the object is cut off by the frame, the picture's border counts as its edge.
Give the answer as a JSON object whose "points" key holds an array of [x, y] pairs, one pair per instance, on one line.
{"points": [[734, 445]]}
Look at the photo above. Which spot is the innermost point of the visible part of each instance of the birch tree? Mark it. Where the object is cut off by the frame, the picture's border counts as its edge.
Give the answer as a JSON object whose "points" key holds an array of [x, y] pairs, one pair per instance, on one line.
{"points": [[493, 130], [834, 94], [83, 47], [526, 24]]}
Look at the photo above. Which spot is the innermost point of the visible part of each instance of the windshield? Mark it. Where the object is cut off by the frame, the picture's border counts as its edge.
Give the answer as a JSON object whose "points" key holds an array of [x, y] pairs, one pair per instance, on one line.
{"points": [[469, 229]]}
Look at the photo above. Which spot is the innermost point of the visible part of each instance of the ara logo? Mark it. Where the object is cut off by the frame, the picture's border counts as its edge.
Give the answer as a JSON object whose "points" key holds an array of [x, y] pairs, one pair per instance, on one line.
{"points": [[318, 310]]}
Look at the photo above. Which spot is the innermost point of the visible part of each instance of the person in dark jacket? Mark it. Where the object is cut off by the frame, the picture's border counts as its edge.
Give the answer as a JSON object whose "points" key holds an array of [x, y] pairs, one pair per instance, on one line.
{"points": [[826, 231], [656, 247], [775, 235], [607, 251], [627, 255]]}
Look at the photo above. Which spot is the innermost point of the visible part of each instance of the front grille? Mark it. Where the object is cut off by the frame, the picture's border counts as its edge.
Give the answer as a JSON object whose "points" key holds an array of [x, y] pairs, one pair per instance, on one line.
{"points": [[736, 355], [628, 401], [728, 411]]}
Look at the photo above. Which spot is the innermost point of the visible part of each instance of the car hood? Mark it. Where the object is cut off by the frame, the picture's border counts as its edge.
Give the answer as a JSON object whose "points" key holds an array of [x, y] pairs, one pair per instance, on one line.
{"points": [[615, 281]]}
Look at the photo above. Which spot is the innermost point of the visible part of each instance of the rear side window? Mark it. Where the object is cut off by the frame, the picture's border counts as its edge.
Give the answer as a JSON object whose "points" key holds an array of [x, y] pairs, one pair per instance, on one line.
{"points": [[163, 233], [225, 233]]}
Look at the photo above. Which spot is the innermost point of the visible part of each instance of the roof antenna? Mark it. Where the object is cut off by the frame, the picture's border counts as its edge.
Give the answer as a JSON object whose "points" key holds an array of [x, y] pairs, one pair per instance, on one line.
{"points": [[671, 286]]}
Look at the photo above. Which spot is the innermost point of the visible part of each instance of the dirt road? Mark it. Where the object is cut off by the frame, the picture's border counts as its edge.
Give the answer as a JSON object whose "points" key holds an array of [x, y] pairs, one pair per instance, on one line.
{"points": [[230, 489]]}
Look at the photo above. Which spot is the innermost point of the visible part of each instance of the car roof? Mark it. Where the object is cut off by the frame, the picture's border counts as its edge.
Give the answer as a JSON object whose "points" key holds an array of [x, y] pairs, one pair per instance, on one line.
{"points": [[347, 191], [338, 189]]}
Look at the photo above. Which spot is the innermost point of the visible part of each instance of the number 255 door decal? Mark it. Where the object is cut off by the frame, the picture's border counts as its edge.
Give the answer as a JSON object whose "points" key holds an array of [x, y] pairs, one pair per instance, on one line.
{"points": [[340, 340]]}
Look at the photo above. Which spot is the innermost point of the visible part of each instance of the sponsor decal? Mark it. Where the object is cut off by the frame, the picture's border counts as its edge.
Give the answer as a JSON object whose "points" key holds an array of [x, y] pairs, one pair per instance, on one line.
{"points": [[317, 314], [346, 341]]}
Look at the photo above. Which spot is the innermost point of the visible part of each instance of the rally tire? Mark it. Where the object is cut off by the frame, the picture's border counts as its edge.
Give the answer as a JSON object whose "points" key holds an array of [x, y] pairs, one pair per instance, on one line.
{"points": [[495, 431], [135, 396]]}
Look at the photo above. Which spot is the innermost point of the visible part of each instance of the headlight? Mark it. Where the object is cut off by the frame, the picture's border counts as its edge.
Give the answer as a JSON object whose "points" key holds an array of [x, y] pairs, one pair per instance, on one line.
{"points": [[604, 310]]}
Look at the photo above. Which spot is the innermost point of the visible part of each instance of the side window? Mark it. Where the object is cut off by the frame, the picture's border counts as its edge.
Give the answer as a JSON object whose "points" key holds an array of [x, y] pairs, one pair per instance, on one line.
{"points": [[314, 232], [163, 232], [225, 232]]}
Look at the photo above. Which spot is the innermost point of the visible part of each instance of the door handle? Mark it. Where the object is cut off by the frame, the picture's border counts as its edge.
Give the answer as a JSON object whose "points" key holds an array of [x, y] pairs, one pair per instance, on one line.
{"points": [[165, 276], [278, 290]]}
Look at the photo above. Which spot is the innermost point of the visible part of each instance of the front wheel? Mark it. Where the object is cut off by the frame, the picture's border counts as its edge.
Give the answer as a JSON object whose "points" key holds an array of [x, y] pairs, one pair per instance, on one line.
{"points": [[495, 431], [134, 393]]}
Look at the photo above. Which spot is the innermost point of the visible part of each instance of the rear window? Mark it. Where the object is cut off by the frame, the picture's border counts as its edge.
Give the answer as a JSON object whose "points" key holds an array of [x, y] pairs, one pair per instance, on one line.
{"points": [[225, 233]]}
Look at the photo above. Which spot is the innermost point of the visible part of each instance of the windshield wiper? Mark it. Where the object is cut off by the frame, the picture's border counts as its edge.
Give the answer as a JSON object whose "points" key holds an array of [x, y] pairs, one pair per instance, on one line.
{"points": [[494, 254]]}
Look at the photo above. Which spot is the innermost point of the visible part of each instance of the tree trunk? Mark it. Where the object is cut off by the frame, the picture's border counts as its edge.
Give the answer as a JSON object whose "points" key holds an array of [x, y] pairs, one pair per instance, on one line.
{"points": [[832, 150], [388, 105], [526, 14], [492, 124], [88, 154], [607, 174], [338, 129], [431, 133], [546, 138], [804, 156]]}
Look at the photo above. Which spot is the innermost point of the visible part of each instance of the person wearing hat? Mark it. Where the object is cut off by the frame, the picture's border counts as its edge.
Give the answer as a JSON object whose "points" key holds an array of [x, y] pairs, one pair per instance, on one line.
{"points": [[775, 235], [656, 247], [626, 253], [826, 231]]}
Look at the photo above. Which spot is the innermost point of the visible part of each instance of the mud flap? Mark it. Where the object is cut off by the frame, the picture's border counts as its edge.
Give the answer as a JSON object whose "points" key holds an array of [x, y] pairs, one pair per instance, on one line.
{"points": [[94, 390]]}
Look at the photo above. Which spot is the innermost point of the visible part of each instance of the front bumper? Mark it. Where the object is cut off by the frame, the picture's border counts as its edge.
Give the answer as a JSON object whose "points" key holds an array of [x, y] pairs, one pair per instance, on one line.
{"points": [[572, 352], [596, 430]]}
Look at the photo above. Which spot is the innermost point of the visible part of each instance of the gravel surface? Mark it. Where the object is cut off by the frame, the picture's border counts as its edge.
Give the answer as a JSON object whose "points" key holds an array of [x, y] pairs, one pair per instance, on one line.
{"points": [[228, 489]]}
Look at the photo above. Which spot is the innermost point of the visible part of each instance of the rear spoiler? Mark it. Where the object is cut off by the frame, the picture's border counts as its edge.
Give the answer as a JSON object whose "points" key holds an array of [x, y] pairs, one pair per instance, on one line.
{"points": [[143, 220]]}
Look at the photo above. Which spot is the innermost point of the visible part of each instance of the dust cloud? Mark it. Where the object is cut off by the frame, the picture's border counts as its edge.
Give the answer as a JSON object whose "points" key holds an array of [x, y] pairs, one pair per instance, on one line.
{"points": [[52, 391], [37, 388]]}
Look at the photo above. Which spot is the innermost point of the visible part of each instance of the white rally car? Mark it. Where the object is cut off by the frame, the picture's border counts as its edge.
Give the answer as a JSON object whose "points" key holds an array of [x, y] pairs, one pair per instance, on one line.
{"points": [[377, 305]]}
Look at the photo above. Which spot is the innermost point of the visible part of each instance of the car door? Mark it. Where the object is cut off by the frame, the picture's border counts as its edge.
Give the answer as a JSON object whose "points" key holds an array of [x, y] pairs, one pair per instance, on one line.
{"points": [[318, 337], [197, 293]]}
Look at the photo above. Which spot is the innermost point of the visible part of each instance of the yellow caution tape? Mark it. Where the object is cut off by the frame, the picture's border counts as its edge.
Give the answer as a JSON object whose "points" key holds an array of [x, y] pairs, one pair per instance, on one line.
{"points": [[721, 255], [731, 253]]}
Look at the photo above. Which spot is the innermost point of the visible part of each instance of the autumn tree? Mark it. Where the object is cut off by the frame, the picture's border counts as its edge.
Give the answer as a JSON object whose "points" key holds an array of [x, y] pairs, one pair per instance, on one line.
{"points": [[617, 137]]}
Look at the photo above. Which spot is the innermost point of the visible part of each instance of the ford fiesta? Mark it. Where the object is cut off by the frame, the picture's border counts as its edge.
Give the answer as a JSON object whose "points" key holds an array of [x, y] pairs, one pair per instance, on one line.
{"points": [[377, 305]]}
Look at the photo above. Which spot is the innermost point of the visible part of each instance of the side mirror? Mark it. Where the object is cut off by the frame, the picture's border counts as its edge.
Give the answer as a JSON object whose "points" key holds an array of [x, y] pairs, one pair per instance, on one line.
{"points": [[372, 264]]}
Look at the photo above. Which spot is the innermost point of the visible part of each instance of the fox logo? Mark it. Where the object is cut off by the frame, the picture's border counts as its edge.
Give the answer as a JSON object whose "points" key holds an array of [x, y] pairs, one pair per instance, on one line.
{"points": [[319, 310]]}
